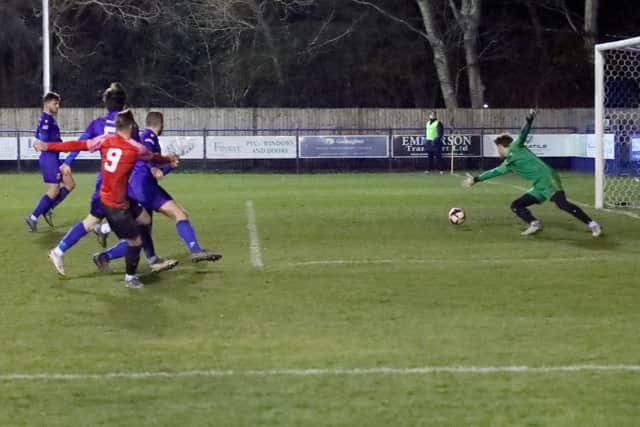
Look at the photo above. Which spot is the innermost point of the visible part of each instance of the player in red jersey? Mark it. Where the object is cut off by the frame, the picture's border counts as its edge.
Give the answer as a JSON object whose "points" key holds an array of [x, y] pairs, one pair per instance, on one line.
{"points": [[119, 153]]}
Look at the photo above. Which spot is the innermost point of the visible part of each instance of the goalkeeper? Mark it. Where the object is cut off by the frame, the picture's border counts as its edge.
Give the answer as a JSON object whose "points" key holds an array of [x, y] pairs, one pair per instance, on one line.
{"points": [[546, 182]]}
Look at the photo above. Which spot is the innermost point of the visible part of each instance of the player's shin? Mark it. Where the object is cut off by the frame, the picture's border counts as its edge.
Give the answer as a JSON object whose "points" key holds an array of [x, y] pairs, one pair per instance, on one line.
{"points": [[119, 250], [62, 194], [44, 204], [147, 242], [188, 235], [561, 202], [132, 258], [72, 237], [519, 207]]}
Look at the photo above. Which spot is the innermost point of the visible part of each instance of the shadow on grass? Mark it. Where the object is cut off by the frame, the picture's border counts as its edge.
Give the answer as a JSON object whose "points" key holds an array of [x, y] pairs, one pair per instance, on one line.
{"points": [[577, 235], [139, 311], [49, 238], [184, 274]]}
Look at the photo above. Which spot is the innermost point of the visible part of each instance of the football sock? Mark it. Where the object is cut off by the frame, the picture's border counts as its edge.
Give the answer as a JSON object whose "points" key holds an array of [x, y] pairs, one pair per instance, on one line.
{"points": [[117, 251], [524, 214], [561, 201], [132, 258], [519, 207], [62, 194], [575, 211], [43, 206], [72, 237], [188, 235], [147, 241]]}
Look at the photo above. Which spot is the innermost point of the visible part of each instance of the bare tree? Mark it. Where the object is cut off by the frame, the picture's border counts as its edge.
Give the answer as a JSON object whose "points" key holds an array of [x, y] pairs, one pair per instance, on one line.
{"points": [[585, 26], [467, 16], [63, 13], [246, 41], [440, 53], [590, 23], [436, 39]]}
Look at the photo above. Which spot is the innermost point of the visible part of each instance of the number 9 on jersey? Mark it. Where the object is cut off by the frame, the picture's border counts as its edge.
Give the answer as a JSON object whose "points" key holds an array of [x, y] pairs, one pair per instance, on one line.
{"points": [[112, 158]]}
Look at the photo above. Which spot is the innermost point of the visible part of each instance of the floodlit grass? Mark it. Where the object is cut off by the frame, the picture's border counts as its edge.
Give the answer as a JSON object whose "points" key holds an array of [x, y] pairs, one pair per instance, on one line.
{"points": [[360, 271]]}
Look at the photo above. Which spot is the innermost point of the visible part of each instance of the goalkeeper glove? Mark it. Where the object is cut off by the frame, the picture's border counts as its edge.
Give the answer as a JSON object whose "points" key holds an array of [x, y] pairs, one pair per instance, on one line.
{"points": [[531, 115], [468, 181]]}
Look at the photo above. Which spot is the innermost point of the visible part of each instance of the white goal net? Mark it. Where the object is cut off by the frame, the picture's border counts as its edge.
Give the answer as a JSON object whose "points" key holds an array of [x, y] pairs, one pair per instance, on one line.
{"points": [[617, 124]]}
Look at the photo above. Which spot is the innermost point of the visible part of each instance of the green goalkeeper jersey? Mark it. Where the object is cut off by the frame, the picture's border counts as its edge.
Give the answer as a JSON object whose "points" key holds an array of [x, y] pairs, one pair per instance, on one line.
{"points": [[521, 161]]}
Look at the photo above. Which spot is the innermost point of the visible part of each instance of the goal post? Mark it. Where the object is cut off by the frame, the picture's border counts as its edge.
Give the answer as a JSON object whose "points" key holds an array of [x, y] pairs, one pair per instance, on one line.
{"points": [[617, 124]]}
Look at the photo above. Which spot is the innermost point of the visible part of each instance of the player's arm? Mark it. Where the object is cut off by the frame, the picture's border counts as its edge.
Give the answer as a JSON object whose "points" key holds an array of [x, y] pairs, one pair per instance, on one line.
{"points": [[166, 169], [499, 170], [157, 170], [524, 132], [61, 146], [171, 159], [72, 156], [88, 145], [147, 155], [160, 171], [40, 135]]}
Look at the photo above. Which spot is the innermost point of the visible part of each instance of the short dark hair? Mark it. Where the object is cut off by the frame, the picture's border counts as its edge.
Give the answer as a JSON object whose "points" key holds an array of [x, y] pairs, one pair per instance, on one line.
{"points": [[155, 119], [115, 97], [504, 139], [125, 120], [50, 96]]}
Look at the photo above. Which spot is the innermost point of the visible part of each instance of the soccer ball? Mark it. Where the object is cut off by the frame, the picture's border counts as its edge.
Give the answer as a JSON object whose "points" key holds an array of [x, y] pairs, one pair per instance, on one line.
{"points": [[456, 216]]}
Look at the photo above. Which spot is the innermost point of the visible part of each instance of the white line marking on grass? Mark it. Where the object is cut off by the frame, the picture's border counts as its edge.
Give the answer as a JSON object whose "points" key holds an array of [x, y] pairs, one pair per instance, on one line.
{"points": [[471, 259], [613, 211], [426, 370], [254, 240]]}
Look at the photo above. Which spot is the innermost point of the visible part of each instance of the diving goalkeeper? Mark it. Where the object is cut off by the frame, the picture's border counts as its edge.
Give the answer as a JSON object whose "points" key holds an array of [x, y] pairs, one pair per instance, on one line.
{"points": [[546, 181]]}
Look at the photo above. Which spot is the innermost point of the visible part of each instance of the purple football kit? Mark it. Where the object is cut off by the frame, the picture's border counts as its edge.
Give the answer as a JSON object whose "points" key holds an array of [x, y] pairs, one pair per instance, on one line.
{"points": [[49, 161], [143, 186]]}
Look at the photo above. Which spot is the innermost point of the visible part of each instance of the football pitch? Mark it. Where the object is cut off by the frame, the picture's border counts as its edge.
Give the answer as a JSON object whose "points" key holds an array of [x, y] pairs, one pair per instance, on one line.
{"points": [[342, 300]]}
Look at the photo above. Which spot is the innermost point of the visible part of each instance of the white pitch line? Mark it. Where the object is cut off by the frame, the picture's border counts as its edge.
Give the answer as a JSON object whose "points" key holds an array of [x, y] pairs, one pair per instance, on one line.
{"points": [[254, 239], [475, 260], [426, 370]]}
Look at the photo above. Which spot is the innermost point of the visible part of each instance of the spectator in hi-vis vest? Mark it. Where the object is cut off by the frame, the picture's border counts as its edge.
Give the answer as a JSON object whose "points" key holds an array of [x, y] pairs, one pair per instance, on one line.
{"points": [[433, 143]]}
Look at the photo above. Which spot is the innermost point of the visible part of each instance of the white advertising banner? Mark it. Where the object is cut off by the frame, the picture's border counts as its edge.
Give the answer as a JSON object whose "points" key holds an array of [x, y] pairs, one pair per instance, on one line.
{"points": [[187, 147], [589, 145], [251, 147], [26, 148], [556, 145], [8, 148], [635, 148], [28, 153]]}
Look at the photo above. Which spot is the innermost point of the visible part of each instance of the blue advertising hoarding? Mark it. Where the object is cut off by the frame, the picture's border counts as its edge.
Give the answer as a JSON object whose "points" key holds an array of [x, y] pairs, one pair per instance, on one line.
{"points": [[344, 146]]}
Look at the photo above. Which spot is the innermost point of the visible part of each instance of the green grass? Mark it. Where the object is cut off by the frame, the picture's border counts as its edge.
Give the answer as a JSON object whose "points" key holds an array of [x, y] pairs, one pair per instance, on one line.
{"points": [[360, 271]]}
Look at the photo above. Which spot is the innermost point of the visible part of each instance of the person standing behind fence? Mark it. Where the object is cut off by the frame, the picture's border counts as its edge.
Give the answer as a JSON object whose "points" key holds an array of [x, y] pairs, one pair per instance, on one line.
{"points": [[433, 145]]}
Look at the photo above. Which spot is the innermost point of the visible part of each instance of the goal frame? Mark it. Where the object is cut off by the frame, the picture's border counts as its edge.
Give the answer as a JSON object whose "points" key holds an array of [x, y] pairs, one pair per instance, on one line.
{"points": [[599, 163]]}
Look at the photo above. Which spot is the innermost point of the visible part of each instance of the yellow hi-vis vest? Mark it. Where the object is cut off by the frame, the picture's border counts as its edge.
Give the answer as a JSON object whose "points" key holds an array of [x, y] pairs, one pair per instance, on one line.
{"points": [[432, 130]]}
